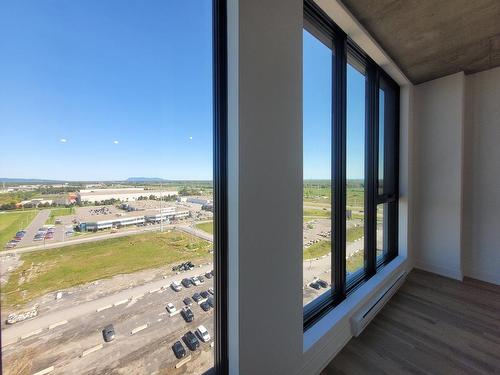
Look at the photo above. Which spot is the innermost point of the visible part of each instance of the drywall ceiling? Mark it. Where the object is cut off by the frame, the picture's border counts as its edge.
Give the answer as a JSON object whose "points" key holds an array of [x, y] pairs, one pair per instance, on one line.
{"points": [[429, 39]]}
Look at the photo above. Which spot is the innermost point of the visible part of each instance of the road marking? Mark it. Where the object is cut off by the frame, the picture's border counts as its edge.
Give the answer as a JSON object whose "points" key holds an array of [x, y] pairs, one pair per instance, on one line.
{"points": [[52, 326], [183, 361], [174, 313], [104, 308], [91, 350], [121, 302], [32, 334], [138, 329], [45, 371], [154, 290]]}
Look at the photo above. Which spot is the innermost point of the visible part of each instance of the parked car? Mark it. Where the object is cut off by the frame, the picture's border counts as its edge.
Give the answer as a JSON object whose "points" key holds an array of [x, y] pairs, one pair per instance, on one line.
{"points": [[179, 350], [197, 298], [187, 301], [191, 341], [176, 286], [211, 290], [187, 314], [203, 334], [204, 294], [108, 333], [315, 285], [205, 306], [171, 308], [186, 283], [208, 275], [322, 283], [201, 278], [195, 281], [211, 302]]}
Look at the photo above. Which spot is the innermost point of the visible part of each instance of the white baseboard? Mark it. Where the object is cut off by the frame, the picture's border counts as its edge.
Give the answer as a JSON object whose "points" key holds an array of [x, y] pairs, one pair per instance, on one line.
{"points": [[493, 278], [443, 271]]}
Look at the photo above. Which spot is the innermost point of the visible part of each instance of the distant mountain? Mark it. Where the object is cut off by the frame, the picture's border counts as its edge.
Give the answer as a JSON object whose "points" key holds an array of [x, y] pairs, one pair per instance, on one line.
{"points": [[145, 179]]}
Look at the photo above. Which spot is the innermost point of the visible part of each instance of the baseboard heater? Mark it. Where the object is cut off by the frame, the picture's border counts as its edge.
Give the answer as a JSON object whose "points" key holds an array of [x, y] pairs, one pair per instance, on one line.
{"points": [[364, 316]]}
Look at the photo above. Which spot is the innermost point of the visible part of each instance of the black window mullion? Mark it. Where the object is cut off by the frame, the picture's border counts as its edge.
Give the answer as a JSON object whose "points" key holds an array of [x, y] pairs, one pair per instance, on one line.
{"points": [[371, 169], [339, 166]]}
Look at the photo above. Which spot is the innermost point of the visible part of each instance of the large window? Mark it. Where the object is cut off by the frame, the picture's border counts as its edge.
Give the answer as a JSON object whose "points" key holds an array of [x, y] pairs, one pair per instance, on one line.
{"points": [[111, 210], [347, 92]]}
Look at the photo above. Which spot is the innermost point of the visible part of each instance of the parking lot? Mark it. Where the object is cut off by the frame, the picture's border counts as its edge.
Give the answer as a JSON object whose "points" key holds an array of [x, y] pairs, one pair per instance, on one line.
{"points": [[145, 333]]}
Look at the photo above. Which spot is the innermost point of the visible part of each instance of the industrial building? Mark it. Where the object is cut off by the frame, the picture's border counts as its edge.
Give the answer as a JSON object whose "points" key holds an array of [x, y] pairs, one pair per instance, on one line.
{"points": [[166, 215], [121, 194]]}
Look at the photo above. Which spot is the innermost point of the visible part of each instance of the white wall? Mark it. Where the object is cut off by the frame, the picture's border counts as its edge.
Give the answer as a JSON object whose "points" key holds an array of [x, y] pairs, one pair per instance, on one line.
{"points": [[457, 186], [481, 218], [439, 123]]}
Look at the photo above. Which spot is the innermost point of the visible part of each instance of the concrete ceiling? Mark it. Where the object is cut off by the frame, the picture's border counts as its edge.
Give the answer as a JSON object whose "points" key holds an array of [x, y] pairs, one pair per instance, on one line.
{"points": [[429, 39]]}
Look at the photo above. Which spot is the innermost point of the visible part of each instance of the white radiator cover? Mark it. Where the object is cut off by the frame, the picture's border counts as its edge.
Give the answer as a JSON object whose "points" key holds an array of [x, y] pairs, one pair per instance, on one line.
{"points": [[364, 315]]}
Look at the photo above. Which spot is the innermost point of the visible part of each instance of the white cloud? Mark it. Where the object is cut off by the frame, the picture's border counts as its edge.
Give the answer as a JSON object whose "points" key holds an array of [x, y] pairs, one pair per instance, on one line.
{"points": [[190, 138], [116, 142], [63, 140]]}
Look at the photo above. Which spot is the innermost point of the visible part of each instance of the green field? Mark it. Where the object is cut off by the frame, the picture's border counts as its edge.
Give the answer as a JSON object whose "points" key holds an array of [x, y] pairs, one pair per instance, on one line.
{"points": [[316, 250], [355, 262], [56, 212], [355, 233], [309, 212], [51, 270], [206, 227], [11, 222]]}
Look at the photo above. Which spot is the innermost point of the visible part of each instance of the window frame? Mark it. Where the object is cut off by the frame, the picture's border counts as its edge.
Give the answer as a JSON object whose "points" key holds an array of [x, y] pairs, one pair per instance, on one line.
{"points": [[343, 48], [220, 172]]}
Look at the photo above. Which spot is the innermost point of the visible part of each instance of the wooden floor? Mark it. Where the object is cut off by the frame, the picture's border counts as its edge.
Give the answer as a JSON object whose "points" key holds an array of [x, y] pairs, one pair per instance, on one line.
{"points": [[433, 325]]}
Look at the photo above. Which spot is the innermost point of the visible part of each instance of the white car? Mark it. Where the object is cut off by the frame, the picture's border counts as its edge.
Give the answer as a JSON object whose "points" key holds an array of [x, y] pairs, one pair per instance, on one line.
{"points": [[195, 280], [171, 308], [203, 334], [176, 286]]}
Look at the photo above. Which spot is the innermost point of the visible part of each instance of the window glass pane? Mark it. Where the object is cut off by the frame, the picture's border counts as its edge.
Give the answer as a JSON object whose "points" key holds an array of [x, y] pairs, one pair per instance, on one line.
{"points": [[355, 171], [317, 136], [381, 141], [106, 128], [382, 231]]}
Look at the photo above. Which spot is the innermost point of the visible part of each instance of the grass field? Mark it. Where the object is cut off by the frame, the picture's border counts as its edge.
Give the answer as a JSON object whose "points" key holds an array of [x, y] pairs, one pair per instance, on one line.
{"points": [[355, 233], [11, 222], [206, 227], [311, 212], [316, 250], [56, 269], [56, 212], [355, 262]]}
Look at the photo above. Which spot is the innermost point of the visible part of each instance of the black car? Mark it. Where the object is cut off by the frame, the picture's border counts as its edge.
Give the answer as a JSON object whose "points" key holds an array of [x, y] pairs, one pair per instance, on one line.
{"points": [[204, 294], [187, 314], [315, 285], [205, 306], [179, 350], [196, 297], [208, 275], [187, 301], [108, 333], [187, 283], [322, 283], [211, 302], [201, 278], [191, 341], [212, 272]]}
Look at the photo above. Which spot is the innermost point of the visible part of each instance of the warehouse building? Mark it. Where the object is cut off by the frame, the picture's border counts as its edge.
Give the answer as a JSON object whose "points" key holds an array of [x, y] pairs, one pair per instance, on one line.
{"points": [[124, 194]]}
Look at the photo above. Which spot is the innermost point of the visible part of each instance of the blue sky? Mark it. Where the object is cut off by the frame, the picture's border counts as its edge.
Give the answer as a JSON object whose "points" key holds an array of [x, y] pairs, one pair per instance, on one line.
{"points": [[105, 90], [317, 108]]}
